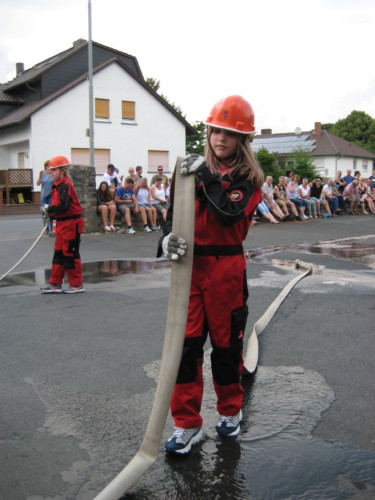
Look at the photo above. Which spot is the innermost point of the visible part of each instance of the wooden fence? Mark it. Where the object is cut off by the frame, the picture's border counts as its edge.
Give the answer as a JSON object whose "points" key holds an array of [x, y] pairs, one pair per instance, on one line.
{"points": [[15, 178]]}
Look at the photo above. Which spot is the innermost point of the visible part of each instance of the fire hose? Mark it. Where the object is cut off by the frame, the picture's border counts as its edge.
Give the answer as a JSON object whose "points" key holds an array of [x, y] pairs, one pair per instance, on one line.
{"points": [[26, 254], [252, 351], [183, 225]]}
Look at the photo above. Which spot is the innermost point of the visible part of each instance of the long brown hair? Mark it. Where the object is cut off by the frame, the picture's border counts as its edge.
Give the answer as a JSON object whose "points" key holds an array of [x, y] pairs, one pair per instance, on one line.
{"points": [[243, 164], [104, 195]]}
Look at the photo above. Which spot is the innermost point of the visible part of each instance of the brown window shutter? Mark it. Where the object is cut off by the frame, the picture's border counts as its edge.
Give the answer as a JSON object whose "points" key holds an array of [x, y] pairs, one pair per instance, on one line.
{"points": [[128, 110], [101, 108]]}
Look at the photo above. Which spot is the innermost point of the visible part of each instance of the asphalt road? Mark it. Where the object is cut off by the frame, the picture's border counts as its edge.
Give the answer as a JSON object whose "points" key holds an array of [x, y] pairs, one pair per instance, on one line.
{"points": [[78, 373]]}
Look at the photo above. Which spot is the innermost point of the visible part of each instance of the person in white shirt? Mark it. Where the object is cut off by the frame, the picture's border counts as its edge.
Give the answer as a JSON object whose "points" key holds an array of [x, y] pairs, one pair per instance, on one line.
{"points": [[158, 197], [112, 179], [305, 194], [268, 198]]}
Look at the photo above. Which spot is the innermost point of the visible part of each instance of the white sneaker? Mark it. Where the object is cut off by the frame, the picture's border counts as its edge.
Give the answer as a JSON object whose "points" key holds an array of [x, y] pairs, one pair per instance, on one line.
{"points": [[305, 217], [107, 229], [112, 228], [147, 229], [182, 440], [229, 426], [131, 230]]}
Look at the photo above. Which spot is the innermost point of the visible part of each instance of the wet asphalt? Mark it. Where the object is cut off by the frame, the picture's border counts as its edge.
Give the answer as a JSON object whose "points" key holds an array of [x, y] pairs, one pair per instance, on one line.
{"points": [[78, 373]]}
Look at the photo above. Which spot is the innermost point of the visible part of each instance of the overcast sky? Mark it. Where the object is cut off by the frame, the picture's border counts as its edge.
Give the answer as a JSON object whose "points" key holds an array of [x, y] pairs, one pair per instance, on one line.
{"points": [[295, 61]]}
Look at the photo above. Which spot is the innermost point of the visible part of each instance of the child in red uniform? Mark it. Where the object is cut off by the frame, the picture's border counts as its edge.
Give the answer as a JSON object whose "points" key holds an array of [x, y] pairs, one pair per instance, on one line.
{"points": [[228, 192], [67, 211]]}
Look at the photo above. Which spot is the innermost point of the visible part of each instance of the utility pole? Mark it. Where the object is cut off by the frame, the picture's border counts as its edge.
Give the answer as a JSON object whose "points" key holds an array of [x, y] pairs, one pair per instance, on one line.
{"points": [[91, 94]]}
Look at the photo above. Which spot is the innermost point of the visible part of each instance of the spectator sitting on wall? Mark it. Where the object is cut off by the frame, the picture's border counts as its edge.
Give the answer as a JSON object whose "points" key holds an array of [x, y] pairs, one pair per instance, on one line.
{"points": [[143, 194], [267, 191], [264, 211], [127, 204], [112, 179], [348, 178], [304, 191], [316, 189], [351, 196], [294, 196], [281, 197], [158, 199], [329, 196], [138, 171], [106, 206], [164, 178], [339, 181]]}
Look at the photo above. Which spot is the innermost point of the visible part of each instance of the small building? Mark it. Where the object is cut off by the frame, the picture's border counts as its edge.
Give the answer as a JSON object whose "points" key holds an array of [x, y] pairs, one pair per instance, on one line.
{"points": [[44, 111], [330, 153]]}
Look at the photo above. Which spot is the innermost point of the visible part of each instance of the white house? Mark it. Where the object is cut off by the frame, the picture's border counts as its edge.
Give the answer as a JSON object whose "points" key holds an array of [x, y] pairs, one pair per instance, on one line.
{"points": [[44, 112], [330, 153]]}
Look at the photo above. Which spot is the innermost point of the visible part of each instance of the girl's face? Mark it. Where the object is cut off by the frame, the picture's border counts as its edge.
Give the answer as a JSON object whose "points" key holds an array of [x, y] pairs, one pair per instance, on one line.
{"points": [[223, 143], [56, 174], [103, 186]]}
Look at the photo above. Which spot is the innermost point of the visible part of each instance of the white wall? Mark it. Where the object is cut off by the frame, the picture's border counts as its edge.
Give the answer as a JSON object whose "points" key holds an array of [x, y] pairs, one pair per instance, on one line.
{"points": [[62, 124], [329, 165], [13, 141]]}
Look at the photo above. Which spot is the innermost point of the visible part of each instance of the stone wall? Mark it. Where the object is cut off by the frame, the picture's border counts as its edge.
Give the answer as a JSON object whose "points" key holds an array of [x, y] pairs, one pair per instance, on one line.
{"points": [[84, 182]]}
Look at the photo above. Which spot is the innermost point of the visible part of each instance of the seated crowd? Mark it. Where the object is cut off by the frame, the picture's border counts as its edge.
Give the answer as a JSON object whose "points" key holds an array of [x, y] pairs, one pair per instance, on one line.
{"points": [[293, 199], [290, 199], [133, 197]]}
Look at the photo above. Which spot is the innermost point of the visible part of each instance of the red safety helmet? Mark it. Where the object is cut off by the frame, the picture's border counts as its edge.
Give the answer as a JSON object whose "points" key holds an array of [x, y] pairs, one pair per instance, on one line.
{"points": [[58, 161], [232, 113]]}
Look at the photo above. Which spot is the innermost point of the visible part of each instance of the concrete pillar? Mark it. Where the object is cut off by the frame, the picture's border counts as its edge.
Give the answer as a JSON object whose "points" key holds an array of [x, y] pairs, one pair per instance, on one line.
{"points": [[83, 178]]}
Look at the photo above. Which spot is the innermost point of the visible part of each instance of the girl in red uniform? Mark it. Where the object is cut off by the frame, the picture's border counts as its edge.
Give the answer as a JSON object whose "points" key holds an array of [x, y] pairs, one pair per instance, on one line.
{"points": [[67, 211], [228, 192]]}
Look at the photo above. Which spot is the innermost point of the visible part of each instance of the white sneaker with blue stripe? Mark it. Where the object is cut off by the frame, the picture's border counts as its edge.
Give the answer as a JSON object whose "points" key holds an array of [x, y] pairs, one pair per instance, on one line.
{"points": [[229, 426], [182, 440]]}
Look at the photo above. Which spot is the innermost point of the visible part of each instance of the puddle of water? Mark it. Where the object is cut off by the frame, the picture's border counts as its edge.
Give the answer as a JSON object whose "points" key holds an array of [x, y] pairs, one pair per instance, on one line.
{"points": [[92, 272], [275, 455], [360, 250]]}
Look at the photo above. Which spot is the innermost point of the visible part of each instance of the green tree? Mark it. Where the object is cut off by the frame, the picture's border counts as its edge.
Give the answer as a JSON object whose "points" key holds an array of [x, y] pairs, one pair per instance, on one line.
{"points": [[269, 163], [358, 127], [155, 85], [195, 143], [303, 164]]}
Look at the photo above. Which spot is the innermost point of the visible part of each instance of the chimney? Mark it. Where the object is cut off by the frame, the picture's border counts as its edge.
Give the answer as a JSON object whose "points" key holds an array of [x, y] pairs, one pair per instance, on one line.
{"points": [[318, 128], [20, 68], [266, 131], [79, 42]]}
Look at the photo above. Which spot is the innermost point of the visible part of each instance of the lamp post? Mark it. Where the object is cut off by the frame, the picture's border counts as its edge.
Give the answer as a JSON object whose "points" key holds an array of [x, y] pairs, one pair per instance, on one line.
{"points": [[91, 93]]}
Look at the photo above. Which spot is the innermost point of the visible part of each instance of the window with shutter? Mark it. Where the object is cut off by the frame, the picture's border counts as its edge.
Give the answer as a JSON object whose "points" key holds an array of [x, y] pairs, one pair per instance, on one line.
{"points": [[102, 108], [81, 156], [156, 158], [128, 110]]}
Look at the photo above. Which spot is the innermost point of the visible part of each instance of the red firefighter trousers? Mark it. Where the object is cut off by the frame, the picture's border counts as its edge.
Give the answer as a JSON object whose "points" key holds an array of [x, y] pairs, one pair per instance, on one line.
{"points": [[66, 256], [217, 307]]}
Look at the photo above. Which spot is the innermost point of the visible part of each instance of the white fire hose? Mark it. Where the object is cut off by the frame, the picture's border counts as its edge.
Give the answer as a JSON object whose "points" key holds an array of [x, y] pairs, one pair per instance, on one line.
{"points": [[183, 225], [252, 351], [26, 254]]}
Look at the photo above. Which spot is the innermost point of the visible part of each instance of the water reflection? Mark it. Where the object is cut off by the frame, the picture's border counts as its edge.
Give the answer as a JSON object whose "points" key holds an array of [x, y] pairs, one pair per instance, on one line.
{"points": [[360, 250], [92, 272]]}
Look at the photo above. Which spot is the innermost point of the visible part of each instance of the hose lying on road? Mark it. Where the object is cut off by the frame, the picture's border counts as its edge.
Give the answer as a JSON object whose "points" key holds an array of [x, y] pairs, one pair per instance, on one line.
{"points": [[26, 254], [183, 225], [252, 351]]}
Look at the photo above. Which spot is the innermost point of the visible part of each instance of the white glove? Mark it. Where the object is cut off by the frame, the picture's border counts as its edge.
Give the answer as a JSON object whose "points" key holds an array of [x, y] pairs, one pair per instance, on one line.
{"points": [[173, 246], [192, 163], [45, 210]]}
